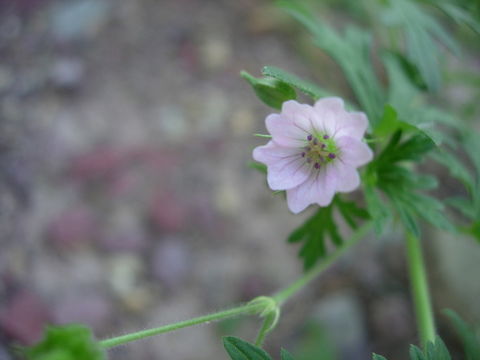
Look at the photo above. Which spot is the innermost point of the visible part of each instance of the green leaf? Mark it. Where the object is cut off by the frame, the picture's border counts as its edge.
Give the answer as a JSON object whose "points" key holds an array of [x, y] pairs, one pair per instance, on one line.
{"points": [[470, 341], [437, 350], [407, 216], [308, 88], [416, 353], [313, 235], [420, 29], [408, 103], [434, 351], [403, 186], [257, 166], [474, 230], [285, 355], [351, 51], [239, 349], [68, 342], [389, 123], [271, 91], [321, 227], [378, 210], [455, 167], [459, 15], [350, 211], [462, 204]]}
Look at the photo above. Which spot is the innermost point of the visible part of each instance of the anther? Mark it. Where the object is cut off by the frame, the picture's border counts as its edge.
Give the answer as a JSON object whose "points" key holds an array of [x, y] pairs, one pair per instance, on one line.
{"points": [[309, 137], [303, 154], [326, 137], [324, 146], [317, 165], [331, 156]]}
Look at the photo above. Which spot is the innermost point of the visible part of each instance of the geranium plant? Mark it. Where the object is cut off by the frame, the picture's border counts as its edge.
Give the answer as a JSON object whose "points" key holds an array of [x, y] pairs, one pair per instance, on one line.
{"points": [[321, 151]]}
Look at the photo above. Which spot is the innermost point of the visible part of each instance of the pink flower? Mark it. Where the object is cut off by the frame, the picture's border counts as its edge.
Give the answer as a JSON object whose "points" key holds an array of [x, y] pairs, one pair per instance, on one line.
{"points": [[314, 151]]}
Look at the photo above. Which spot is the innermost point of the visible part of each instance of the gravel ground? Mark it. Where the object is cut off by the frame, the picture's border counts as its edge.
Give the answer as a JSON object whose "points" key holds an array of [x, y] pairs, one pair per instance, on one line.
{"points": [[125, 197]]}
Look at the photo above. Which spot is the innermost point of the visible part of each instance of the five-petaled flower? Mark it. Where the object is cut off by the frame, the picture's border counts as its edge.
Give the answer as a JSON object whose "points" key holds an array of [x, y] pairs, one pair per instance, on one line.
{"points": [[314, 151]]}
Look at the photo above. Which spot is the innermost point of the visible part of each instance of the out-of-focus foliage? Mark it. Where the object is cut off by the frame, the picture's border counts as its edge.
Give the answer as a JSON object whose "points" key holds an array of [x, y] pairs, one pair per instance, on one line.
{"points": [[239, 349], [406, 130], [69, 342]]}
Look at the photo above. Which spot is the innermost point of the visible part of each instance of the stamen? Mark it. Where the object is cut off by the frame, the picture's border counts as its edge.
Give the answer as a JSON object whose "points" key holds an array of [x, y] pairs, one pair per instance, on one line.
{"points": [[326, 137], [309, 137], [316, 166], [303, 154], [324, 146], [331, 156]]}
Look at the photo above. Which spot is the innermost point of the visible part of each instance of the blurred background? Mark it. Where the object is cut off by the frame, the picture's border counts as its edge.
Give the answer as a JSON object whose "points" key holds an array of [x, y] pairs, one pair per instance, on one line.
{"points": [[125, 197]]}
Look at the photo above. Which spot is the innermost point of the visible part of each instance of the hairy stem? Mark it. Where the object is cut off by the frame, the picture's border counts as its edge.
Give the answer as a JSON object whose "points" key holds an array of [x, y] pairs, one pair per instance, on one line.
{"points": [[269, 307], [251, 308], [420, 292]]}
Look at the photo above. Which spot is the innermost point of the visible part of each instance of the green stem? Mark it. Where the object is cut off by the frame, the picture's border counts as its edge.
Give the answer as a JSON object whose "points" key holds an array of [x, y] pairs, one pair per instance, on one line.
{"points": [[420, 293], [288, 292], [262, 306], [251, 308]]}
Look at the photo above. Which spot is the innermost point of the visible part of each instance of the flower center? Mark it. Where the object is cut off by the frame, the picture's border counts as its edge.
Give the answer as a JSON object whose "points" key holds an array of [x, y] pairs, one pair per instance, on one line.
{"points": [[319, 150]]}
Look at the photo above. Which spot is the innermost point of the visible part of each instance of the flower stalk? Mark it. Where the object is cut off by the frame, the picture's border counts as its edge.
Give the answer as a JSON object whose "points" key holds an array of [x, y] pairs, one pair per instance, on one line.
{"points": [[420, 292], [265, 306]]}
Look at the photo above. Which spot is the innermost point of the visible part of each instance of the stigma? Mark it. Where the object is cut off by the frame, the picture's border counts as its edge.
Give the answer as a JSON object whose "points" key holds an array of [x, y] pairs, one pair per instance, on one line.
{"points": [[319, 150]]}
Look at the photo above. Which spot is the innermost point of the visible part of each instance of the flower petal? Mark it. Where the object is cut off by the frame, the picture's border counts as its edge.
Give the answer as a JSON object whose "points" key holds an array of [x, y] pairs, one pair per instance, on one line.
{"points": [[336, 121], [354, 124], [347, 178], [292, 108], [333, 103], [285, 166], [353, 151], [285, 131], [319, 188]]}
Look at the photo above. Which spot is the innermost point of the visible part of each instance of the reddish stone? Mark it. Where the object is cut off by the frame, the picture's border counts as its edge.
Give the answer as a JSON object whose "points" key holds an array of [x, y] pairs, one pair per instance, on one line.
{"points": [[99, 163], [72, 228], [24, 317], [167, 213]]}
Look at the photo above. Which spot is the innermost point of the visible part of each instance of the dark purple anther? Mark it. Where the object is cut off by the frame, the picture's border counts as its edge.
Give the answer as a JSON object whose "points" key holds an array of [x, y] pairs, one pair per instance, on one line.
{"points": [[316, 166], [331, 156], [303, 154], [326, 137], [324, 146], [315, 141], [309, 137]]}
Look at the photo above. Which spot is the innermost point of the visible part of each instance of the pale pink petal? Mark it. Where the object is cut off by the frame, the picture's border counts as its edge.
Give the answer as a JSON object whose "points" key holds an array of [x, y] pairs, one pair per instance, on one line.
{"points": [[285, 131], [285, 166], [347, 177], [288, 170], [354, 125], [319, 188], [353, 152], [336, 121], [333, 104], [327, 112], [293, 108]]}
